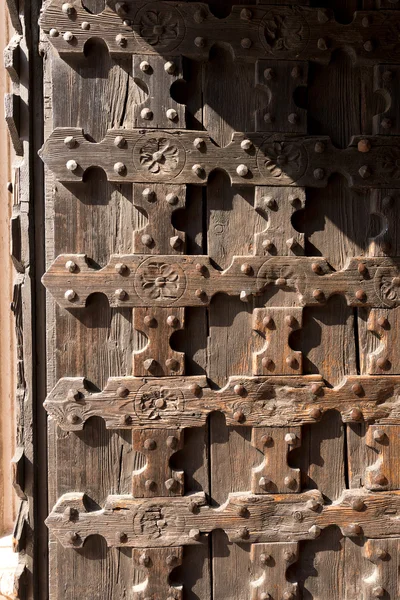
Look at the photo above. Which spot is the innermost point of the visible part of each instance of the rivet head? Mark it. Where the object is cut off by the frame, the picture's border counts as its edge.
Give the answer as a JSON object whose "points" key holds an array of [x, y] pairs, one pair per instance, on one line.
{"points": [[71, 266], [323, 16], [353, 530], [365, 22], [242, 511], [293, 118], [289, 556], [69, 37], [121, 40], [120, 141], [315, 413], [383, 363], [195, 389], [170, 67], [264, 559], [150, 485], [73, 418], [199, 144], [268, 245], [70, 295], [200, 42], [268, 363], [176, 242], [145, 66], [120, 294], [382, 554], [122, 391], [319, 174], [246, 14], [364, 145], [172, 321], [378, 592], [72, 165], [70, 141], [270, 202], [193, 507], [171, 485], [200, 294], [314, 531], [150, 364], [194, 534], [198, 170], [317, 268], [242, 170], [318, 295], [291, 321], [171, 560], [322, 44], [54, 32], [317, 389], [171, 113], [313, 505], [149, 195], [202, 269], [85, 26], [357, 389], [280, 282], [319, 147], [365, 172], [383, 322], [239, 389], [199, 15], [239, 416], [379, 435], [264, 483], [291, 439], [292, 362], [356, 414], [362, 269], [122, 537], [73, 395], [146, 114], [358, 505], [246, 43], [386, 123], [268, 118], [68, 9], [149, 444], [121, 268], [381, 480], [172, 364], [172, 199], [246, 145], [172, 442], [150, 321], [144, 560], [368, 46], [361, 295], [120, 168], [246, 268], [72, 537], [147, 240], [269, 74], [268, 322], [244, 533]]}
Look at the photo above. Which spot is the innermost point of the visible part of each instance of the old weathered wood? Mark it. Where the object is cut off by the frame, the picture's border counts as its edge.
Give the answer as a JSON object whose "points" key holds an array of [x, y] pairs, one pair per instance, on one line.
{"points": [[307, 33], [181, 156], [157, 563], [274, 474], [269, 565]]}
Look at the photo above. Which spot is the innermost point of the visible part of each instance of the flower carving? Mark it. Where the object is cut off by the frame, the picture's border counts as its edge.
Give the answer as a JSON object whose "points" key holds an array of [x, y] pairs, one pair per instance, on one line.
{"points": [[284, 32], [160, 282], [158, 402], [158, 27], [280, 157], [387, 285], [390, 163], [159, 156]]}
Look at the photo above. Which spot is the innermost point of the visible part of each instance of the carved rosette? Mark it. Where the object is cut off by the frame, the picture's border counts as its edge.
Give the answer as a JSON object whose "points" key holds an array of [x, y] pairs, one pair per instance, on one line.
{"points": [[161, 27], [281, 273], [284, 32], [389, 164], [159, 157], [159, 283], [387, 285], [158, 402], [282, 162]]}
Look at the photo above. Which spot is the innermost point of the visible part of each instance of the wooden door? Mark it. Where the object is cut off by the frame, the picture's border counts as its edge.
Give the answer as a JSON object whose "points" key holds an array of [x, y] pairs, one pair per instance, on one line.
{"points": [[223, 293]]}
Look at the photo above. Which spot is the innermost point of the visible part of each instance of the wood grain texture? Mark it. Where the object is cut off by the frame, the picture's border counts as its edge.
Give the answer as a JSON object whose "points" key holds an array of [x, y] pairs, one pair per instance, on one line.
{"points": [[188, 157], [194, 37]]}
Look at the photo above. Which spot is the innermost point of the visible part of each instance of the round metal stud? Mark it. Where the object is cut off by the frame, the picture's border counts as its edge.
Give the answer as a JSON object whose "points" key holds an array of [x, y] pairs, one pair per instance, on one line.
{"points": [[71, 266], [242, 170], [172, 115], [123, 391], [145, 66], [120, 141], [246, 145], [146, 114], [70, 295], [72, 165], [120, 168], [170, 67]]}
